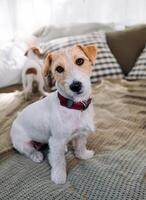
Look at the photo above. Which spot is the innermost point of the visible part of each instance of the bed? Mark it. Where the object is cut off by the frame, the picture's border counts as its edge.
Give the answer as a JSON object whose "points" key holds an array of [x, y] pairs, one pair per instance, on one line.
{"points": [[118, 169]]}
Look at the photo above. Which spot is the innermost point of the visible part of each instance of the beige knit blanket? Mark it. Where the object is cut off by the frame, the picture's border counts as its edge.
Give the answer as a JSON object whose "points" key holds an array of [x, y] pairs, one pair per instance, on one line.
{"points": [[116, 172], [120, 109]]}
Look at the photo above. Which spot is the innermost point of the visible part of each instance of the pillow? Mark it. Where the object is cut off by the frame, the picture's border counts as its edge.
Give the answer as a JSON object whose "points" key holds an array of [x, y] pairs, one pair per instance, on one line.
{"points": [[127, 45], [47, 33], [139, 69], [106, 65]]}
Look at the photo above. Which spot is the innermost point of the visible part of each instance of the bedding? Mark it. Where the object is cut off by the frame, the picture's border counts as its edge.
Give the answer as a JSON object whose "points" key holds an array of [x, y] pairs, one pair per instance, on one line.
{"points": [[116, 172], [106, 65], [11, 62]]}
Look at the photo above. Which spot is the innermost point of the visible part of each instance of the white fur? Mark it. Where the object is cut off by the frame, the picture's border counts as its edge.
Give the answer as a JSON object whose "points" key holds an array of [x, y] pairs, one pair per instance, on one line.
{"points": [[27, 79], [46, 121]]}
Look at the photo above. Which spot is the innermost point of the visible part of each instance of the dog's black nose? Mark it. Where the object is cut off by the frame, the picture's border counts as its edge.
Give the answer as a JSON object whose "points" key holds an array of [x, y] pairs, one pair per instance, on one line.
{"points": [[76, 86]]}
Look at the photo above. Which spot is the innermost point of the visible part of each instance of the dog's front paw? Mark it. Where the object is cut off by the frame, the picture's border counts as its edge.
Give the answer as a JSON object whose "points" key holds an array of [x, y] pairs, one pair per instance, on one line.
{"points": [[87, 154], [58, 176]]}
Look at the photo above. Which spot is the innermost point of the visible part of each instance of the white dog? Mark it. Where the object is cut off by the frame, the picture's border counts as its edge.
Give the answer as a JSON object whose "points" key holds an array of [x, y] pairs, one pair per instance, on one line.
{"points": [[32, 73], [65, 115]]}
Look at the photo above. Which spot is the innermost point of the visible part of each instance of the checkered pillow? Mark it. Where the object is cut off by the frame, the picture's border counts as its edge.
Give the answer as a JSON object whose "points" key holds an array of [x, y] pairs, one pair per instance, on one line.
{"points": [[139, 70], [106, 65]]}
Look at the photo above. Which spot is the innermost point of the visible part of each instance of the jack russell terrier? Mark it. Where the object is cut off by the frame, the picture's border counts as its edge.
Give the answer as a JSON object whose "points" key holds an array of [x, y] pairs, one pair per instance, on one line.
{"points": [[64, 115], [32, 75]]}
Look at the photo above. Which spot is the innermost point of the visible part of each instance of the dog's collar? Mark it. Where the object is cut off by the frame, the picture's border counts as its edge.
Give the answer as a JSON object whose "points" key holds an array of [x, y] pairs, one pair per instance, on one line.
{"points": [[68, 103]]}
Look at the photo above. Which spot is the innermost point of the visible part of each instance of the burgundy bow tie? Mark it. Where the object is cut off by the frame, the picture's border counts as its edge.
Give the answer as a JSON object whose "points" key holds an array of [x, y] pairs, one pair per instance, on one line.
{"points": [[68, 103]]}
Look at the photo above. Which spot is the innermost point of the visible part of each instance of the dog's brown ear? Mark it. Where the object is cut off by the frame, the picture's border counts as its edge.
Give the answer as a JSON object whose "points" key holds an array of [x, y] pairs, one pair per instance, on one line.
{"points": [[90, 51], [37, 52], [47, 65]]}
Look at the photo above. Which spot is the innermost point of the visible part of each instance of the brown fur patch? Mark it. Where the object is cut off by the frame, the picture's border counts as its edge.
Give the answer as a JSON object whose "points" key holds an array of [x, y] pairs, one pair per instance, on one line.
{"points": [[47, 65], [90, 51], [37, 52], [77, 52], [31, 71]]}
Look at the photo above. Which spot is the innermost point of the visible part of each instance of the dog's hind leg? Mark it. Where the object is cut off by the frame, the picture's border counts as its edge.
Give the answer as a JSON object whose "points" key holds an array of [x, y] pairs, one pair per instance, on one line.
{"points": [[28, 88], [31, 152], [25, 146]]}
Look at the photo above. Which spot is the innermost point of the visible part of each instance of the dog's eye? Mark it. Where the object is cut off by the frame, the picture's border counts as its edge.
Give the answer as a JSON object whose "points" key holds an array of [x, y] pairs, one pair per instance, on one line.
{"points": [[59, 69], [79, 61]]}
